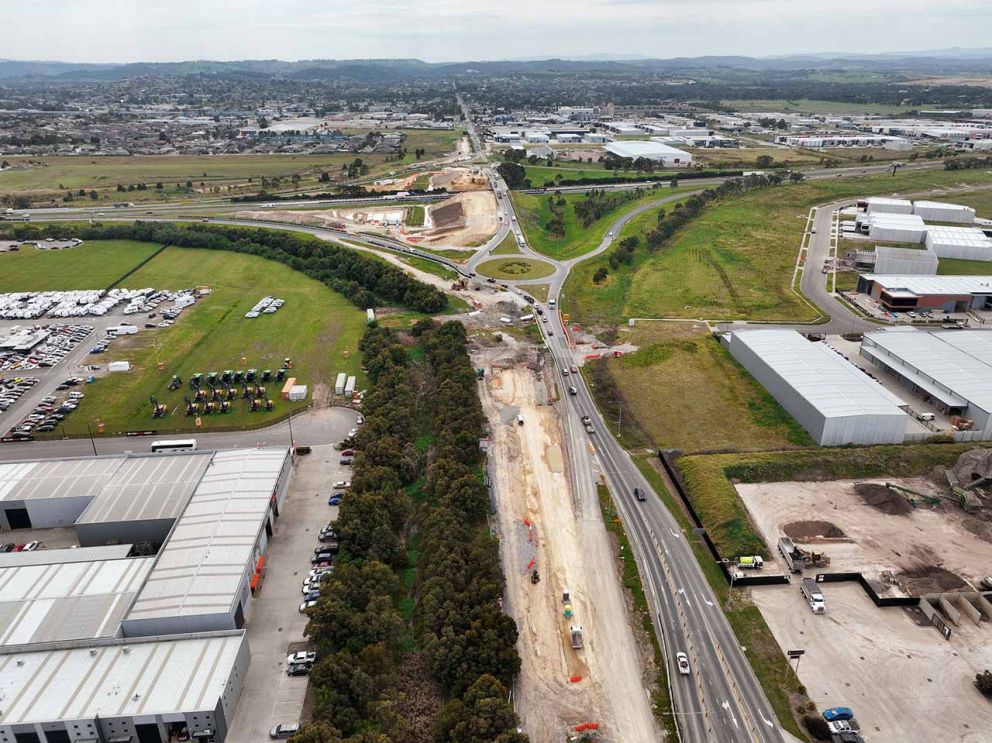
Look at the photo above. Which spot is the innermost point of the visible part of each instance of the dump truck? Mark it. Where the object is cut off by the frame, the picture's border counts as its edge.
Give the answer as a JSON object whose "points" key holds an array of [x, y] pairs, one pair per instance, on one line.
{"points": [[576, 631], [750, 562], [794, 557]]}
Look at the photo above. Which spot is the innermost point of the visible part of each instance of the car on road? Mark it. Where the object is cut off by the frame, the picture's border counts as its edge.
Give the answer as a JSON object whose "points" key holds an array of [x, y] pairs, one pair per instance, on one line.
{"points": [[589, 428], [682, 661], [303, 656], [586, 419], [573, 391], [639, 494], [838, 713], [564, 372], [575, 370], [286, 729]]}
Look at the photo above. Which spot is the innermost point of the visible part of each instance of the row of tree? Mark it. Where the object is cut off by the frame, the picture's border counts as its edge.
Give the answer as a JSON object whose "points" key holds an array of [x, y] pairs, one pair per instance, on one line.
{"points": [[357, 624], [597, 203], [365, 280], [967, 163], [471, 643]]}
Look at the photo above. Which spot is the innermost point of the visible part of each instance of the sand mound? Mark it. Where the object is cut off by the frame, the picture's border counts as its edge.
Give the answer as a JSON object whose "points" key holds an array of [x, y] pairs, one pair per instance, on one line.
{"points": [[880, 497], [803, 531], [930, 579]]}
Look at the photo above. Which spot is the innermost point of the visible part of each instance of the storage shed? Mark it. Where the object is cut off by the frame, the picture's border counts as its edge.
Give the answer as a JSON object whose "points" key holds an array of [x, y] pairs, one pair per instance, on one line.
{"points": [[935, 211], [969, 243], [905, 261], [339, 384], [349, 387], [298, 392], [884, 205], [900, 228]]}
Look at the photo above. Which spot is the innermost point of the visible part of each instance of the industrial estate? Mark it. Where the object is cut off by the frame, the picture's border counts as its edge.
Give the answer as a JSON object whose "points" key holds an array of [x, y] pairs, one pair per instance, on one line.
{"points": [[516, 401]]}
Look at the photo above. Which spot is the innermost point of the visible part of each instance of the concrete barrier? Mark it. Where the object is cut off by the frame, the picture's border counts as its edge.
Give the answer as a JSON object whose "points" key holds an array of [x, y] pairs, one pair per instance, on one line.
{"points": [[984, 606], [952, 614], [968, 609]]}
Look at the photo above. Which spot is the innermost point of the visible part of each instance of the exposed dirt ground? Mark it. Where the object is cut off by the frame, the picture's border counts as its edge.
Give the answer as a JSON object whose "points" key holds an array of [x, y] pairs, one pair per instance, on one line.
{"points": [[460, 179], [890, 542], [537, 522], [477, 224], [892, 668]]}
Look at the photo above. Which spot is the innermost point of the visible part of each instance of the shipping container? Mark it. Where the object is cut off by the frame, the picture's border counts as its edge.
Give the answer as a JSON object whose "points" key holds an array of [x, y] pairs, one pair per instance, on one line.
{"points": [[339, 384]]}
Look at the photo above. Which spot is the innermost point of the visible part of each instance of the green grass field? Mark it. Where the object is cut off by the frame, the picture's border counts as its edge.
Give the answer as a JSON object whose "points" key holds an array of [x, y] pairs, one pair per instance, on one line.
{"points": [[736, 260], [429, 266], [315, 328], [94, 265], [538, 291], [682, 389], [515, 268], [415, 216], [508, 245], [533, 213]]}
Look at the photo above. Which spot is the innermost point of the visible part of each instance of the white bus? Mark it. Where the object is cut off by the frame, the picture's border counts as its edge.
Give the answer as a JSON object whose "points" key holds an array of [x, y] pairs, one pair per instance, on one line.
{"points": [[174, 445]]}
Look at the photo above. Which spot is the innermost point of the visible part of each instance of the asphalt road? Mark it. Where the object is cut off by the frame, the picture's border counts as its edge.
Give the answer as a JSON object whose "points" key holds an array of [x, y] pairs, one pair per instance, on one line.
{"points": [[311, 427]]}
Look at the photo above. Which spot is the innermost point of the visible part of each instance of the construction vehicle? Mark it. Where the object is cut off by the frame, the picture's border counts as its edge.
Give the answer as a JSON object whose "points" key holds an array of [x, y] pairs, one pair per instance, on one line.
{"points": [[259, 391], [960, 496], [576, 632], [250, 375], [567, 611], [214, 392], [750, 562], [912, 496], [208, 408], [228, 392], [281, 374], [287, 363], [480, 373], [794, 556], [266, 375], [535, 577], [158, 410], [239, 377], [225, 407], [269, 404], [814, 597], [212, 379], [176, 383], [199, 395], [195, 380], [191, 409], [227, 376], [246, 393], [255, 404]]}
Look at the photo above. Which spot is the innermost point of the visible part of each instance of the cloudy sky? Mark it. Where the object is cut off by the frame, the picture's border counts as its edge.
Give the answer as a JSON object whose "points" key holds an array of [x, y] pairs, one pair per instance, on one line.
{"points": [[443, 30]]}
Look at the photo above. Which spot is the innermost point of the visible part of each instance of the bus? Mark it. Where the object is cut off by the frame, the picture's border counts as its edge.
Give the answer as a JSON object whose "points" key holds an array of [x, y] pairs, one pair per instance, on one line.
{"points": [[174, 445]]}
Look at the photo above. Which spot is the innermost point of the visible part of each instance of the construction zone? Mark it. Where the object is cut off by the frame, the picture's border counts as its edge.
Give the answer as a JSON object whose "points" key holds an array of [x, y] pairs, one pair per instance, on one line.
{"points": [[896, 618], [581, 673]]}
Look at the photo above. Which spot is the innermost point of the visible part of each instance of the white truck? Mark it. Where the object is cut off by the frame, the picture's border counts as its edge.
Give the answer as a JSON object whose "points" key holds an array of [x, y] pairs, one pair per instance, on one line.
{"points": [[576, 632], [814, 597], [750, 562]]}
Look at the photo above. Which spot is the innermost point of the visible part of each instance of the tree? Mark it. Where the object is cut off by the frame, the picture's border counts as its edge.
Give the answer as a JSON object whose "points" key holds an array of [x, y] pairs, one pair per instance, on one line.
{"points": [[764, 161], [600, 276], [983, 681], [481, 716], [817, 727], [796, 177], [514, 175]]}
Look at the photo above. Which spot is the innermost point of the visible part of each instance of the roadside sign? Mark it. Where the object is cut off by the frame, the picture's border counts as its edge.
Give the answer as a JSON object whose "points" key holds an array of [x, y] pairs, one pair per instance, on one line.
{"points": [[796, 653]]}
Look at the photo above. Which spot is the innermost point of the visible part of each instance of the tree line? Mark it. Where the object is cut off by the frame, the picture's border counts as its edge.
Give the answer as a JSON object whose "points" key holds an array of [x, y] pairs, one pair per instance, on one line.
{"points": [[967, 163], [458, 617], [365, 280], [598, 203]]}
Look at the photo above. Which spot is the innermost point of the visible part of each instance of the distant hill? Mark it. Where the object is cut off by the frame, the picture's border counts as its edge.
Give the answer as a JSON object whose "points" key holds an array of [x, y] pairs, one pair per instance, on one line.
{"points": [[396, 70]]}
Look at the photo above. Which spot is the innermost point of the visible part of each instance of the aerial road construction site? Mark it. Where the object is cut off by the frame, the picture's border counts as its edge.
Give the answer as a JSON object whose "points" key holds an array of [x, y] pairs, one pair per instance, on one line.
{"points": [[581, 667]]}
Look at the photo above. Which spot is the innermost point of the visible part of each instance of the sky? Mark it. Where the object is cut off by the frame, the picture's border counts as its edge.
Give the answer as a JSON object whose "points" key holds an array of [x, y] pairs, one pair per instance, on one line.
{"points": [[459, 30]]}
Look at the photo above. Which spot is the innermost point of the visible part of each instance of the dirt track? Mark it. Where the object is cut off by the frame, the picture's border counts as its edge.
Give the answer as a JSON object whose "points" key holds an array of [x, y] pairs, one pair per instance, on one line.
{"points": [[537, 521]]}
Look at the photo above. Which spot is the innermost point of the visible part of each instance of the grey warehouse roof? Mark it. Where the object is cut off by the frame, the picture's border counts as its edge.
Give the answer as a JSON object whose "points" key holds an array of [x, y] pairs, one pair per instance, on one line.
{"points": [[150, 487], [67, 601], [124, 679], [639, 148], [199, 570], [960, 361], [58, 556], [61, 478], [824, 378], [933, 284]]}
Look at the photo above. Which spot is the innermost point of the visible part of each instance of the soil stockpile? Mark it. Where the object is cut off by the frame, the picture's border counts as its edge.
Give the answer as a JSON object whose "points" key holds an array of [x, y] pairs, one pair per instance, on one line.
{"points": [[803, 531], [880, 497]]}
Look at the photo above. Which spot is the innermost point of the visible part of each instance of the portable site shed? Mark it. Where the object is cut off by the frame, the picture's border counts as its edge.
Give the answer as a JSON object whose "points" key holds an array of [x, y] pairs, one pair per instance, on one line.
{"points": [[349, 387], [339, 384]]}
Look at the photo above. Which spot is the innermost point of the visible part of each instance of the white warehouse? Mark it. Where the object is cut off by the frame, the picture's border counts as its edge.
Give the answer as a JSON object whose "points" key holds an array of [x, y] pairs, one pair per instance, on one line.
{"points": [[885, 205], [903, 228], [905, 261], [663, 153], [935, 211], [970, 243], [832, 399]]}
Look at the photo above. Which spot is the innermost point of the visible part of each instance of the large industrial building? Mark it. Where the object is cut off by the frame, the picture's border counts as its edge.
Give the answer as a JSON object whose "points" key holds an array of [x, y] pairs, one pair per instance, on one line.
{"points": [[901, 293], [832, 399], [893, 227], [937, 211], [952, 368], [905, 261], [663, 153], [136, 634], [969, 243]]}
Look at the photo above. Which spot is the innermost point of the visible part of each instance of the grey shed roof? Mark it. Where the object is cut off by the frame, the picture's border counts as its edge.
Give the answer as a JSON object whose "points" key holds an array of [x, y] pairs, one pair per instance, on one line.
{"points": [[945, 285], [824, 378], [122, 679], [67, 601], [199, 570], [151, 487], [60, 478]]}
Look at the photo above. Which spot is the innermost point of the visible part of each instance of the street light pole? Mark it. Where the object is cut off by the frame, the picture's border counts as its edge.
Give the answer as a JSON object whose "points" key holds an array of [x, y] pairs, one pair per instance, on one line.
{"points": [[92, 440]]}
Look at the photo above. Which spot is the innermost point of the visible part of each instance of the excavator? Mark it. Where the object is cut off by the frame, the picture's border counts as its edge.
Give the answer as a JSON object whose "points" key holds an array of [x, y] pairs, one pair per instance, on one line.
{"points": [[962, 497], [158, 410]]}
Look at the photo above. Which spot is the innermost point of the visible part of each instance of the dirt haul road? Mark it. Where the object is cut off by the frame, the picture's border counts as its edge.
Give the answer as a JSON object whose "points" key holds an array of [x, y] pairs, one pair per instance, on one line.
{"points": [[537, 521]]}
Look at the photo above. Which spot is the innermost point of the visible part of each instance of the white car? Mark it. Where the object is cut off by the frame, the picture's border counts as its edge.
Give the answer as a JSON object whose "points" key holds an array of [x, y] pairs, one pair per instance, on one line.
{"points": [[307, 605], [301, 657], [342, 484], [682, 660], [30, 547], [285, 730]]}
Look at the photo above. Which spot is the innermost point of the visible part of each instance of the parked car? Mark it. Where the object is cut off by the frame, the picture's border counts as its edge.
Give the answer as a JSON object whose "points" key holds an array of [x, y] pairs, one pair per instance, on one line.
{"points": [[286, 729], [307, 605], [298, 669], [325, 556], [346, 462], [682, 660], [334, 500], [342, 484], [303, 656], [312, 596], [838, 713]]}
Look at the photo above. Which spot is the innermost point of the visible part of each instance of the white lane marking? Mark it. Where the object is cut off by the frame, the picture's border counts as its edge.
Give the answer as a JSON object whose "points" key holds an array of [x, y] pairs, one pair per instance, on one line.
{"points": [[726, 706], [674, 533], [765, 720], [685, 596]]}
